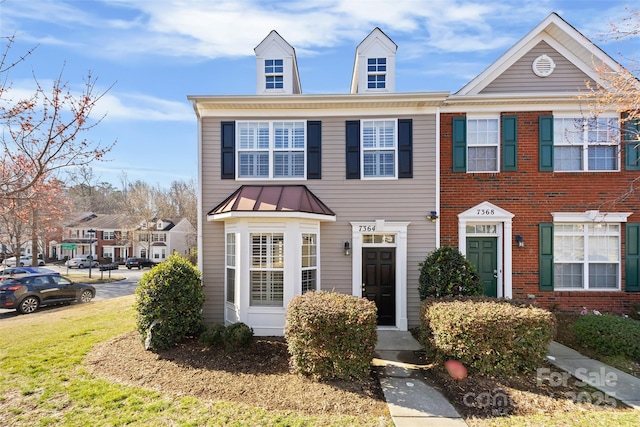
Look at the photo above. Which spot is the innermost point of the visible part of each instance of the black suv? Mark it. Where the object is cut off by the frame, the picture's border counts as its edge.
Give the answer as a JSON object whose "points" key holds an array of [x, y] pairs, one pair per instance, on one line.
{"points": [[27, 293], [139, 263]]}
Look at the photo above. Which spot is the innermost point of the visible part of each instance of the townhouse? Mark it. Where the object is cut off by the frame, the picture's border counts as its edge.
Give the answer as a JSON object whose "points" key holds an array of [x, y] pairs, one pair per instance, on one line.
{"points": [[349, 192]]}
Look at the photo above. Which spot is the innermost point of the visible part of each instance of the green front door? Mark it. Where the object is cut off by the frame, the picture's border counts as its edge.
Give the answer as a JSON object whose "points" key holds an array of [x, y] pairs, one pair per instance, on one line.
{"points": [[483, 253]]}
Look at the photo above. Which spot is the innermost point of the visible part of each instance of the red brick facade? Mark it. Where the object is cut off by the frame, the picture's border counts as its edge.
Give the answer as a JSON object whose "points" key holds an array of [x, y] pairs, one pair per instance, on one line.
{"points": [[532, 196]]}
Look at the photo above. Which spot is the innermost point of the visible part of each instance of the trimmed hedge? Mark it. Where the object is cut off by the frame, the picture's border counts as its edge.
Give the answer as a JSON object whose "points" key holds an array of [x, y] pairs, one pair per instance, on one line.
{"points": [[609, 335], [446, 272], [169, 301], [331, 335], [491, 337]]}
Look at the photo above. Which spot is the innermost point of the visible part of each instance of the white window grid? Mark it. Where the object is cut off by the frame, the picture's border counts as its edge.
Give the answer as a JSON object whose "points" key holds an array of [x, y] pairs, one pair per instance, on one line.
{"points": [[274, 73], [586, 144], [309, 262], [271, 150], [586, 256], [483, 144], [267, 269], [376, 73], [108, 235], [379, 148]]}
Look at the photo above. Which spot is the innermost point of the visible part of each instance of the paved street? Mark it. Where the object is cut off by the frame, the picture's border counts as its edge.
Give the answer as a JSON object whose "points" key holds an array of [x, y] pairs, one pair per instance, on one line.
{"points": [[103, 290]]}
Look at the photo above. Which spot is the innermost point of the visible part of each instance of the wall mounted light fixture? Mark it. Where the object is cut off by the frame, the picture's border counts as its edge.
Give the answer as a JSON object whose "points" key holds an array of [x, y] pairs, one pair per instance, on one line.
{"points": [[347, 248], [433, 216], [520, 240]]}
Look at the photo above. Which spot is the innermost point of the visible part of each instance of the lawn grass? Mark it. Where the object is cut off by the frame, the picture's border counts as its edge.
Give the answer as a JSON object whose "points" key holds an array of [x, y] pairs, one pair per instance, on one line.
{"points": [[43, 381]]}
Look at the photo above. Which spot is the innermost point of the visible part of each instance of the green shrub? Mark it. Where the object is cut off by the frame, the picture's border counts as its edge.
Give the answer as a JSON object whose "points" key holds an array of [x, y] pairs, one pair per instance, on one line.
{"points": [[609, 335], [331, 335], [446, 272], [237, 336], [490, 337], [169, 300], [211, 336]]}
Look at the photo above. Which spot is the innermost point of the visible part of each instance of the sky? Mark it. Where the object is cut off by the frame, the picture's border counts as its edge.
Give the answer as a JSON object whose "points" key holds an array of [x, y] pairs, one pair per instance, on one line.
{"points": [[149, 55]]}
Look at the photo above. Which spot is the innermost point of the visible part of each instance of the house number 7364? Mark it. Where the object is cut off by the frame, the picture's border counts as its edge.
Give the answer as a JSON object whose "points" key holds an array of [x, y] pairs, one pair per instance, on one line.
{"points": [[367, 228], [485, 212]]}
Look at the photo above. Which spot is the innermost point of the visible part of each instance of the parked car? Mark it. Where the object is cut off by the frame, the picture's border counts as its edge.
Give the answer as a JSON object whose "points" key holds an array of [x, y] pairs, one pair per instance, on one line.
{"points": [[16, 272], [26, 294], [81, 262], [138, 263], [23, 261]]}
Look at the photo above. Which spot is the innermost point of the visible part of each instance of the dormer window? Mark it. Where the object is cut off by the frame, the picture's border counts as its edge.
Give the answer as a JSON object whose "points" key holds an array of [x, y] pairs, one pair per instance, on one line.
{"points": [[274, 73], [376, 73]]}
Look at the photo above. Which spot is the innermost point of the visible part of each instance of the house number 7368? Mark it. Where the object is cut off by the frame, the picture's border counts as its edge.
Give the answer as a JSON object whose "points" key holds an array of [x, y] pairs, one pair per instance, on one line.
{"points": [[485, 212]]}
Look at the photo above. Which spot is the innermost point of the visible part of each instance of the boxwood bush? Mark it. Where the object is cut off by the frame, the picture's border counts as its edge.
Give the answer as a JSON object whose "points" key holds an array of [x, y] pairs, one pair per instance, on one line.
{"points": [[609, 335], [331, 335], [169, 301], [491, 337], [446, 272]]}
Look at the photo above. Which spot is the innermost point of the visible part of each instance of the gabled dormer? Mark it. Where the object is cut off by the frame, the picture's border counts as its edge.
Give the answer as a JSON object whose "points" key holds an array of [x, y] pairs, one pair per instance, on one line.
{"points": [[276, 67], [374, 70]]}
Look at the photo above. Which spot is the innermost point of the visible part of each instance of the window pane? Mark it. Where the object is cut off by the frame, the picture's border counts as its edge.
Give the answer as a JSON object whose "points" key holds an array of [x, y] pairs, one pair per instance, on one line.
{"points": [[483, 159], [308, 281], [568, 248], [603, 158], [288, 165], [231, 282], [567, 158], [253, 164], [568, 276], [379, 163], [603, 276], [267, 288]]}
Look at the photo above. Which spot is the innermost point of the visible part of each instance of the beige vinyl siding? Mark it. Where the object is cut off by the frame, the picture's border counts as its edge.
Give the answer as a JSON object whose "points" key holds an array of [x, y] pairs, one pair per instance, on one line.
{"points": [[520, 77], [352, 200]]}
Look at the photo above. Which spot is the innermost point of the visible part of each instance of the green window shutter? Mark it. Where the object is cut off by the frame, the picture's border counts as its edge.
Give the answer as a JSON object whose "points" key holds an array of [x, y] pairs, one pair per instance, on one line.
{"points": [[545, 139], [405, 148], [545, 244], [631, 138], [509, 143], [314, 149], [632, 258], [228, 150], [459, 136]]}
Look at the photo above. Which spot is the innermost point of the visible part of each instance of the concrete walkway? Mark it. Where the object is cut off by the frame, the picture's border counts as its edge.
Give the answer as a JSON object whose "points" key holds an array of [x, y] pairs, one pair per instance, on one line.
{"points": [[412, 401], [609, 380]]}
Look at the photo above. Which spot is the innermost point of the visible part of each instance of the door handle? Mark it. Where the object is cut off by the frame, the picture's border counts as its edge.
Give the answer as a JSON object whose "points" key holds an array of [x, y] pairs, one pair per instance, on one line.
{"points": [[495, 274]]}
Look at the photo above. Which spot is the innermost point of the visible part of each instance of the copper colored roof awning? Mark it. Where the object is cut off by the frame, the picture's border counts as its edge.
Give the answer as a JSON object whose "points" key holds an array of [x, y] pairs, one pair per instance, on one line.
{"points": [[272, 200]]}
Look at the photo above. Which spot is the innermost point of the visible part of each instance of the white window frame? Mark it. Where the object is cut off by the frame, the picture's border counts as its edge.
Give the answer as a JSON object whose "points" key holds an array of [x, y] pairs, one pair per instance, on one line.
{"points": [[108, 235], [273, 265], [230, 267], [485, 143], [309, 261], [589, 220], [258, 146], [272, 71], [378, 148], [376, 71], [576, 131]]}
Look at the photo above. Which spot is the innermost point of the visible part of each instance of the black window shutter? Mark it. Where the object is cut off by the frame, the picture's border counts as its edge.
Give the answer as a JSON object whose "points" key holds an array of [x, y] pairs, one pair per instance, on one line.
{"points": [[632, 258], [228, 150], [545, 244], [314, 151], [352, 132], [509, 143], [459, 136], [405, 148], [545, 140]]}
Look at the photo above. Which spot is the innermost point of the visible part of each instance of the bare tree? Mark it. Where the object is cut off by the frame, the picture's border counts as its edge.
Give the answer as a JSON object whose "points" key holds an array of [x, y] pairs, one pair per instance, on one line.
{"points": [[44, 132]]}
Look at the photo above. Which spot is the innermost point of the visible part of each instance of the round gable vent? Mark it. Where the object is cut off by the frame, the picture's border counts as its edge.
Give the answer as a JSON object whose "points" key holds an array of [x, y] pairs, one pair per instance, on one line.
{"points": [[543, 66]]}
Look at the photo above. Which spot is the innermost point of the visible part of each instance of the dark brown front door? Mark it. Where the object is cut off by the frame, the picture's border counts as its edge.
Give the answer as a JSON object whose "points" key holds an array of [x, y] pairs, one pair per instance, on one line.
{"points": [[379, 282]]}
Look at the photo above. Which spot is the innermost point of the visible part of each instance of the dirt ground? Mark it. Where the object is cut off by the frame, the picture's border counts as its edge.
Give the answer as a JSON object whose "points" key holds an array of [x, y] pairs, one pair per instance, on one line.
{"points": [[261, 377]]}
